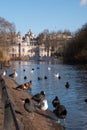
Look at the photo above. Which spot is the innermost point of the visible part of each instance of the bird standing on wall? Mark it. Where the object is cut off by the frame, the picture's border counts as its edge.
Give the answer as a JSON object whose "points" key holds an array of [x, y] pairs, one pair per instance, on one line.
{"points": [[13, 75], [29, 107], [39, 96]]}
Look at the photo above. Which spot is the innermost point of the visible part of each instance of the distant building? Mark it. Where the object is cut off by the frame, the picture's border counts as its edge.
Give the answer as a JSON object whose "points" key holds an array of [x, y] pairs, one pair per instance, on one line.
{"points": [[25, 46]]}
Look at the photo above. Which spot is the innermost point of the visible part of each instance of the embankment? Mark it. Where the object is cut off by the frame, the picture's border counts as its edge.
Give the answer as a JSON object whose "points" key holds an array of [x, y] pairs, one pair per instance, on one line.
{"points": [[13, 115]]}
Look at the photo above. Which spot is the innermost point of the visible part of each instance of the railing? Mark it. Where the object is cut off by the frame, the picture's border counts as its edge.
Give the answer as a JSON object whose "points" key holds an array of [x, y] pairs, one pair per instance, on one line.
{"points": [[10, 120]]}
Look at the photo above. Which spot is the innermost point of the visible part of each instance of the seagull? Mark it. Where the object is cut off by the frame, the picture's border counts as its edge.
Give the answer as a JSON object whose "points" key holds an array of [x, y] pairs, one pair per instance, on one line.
{"points": [[57, 75], [49, 68], [4, 73]]}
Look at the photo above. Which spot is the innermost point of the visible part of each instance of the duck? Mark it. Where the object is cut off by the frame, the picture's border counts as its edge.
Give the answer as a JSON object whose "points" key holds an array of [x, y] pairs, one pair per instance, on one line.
{"points": [[60, 112], [30, 107], [28, 86], [43, 105], [23, 69], [39, 78], [39, 96], [38, 68], [24, 86], [67, 84], [13, 75], [25, 77], [85, 100], [55, 102], [21, 86], [45, 77]]}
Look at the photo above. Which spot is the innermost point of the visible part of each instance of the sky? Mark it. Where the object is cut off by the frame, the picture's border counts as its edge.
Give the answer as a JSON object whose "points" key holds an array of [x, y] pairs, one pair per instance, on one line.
{"points": [[38, 15]]}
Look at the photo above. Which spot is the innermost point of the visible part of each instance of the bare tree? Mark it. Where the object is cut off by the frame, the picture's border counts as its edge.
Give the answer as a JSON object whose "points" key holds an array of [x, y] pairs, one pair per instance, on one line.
{"points": [[7, 34]]}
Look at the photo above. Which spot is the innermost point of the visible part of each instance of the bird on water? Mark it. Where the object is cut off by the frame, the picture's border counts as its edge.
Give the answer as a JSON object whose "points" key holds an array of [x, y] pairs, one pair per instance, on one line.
{"points": [[55, 101]]}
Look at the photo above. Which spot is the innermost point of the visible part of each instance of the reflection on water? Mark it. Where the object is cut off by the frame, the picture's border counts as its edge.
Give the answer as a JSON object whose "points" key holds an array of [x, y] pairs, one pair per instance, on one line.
{"points": [[72, 98]]}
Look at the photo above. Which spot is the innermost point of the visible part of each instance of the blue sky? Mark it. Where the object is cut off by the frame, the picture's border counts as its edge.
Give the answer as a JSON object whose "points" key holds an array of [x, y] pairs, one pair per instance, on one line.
{"points": [[39, 15]]}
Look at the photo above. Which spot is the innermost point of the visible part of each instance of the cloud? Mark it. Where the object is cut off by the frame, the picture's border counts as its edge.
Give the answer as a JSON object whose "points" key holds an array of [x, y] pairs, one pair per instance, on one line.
{"points": [[83, 2]]}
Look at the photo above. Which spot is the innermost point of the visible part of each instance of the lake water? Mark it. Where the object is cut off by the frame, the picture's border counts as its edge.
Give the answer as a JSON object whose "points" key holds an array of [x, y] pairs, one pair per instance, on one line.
{"points": [[72, 98]]}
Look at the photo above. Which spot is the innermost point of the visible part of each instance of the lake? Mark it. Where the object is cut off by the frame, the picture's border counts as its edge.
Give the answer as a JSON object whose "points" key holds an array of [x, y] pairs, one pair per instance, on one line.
{"points": [[72, 97]]}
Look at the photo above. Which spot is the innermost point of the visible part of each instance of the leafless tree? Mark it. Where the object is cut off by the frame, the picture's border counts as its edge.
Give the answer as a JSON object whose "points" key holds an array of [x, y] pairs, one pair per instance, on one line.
{"points": [[7, 35]]}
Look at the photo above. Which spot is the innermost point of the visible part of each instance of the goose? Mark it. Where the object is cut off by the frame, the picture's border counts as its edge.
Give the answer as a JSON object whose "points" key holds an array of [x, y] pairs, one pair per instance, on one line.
{"points": [[55, 102], [13, 75], [39, 96]]}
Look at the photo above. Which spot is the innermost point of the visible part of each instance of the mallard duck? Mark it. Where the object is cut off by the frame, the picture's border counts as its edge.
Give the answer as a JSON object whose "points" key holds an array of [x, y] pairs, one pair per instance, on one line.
{"points": [[39, 96], [60, 111]]}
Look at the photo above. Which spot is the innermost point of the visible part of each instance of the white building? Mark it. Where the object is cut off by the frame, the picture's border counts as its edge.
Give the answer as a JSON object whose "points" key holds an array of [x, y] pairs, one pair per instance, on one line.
{"points": [[25, 47]]}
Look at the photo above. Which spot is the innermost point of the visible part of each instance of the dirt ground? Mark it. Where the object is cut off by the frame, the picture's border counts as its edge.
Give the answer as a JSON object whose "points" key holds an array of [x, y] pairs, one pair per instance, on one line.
{"points": [[40, 120]]}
